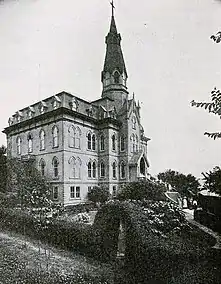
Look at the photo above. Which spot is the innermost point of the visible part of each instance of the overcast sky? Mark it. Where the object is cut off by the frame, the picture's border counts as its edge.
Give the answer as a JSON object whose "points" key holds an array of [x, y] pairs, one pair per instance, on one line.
{"points": [[47, 46]]}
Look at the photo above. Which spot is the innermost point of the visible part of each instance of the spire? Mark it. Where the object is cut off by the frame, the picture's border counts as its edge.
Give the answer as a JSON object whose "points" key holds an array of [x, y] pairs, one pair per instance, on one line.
{"points": [[114, 57]]}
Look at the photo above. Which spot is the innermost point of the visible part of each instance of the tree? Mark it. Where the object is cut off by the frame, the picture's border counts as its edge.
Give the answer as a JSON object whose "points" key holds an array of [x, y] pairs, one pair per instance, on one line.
{"points": [[186, 185], [98, 194], [3, 169], [214, 106], [144, 189], [212, 180]]}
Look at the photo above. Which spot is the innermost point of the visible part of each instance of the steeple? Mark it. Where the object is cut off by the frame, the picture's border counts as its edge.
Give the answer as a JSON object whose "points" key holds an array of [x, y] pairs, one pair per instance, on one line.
{"points": [[114, 74]]}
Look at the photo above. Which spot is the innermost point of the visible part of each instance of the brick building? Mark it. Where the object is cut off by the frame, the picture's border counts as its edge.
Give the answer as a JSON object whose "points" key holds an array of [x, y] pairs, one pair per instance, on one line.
{"points": [[78, 144]]}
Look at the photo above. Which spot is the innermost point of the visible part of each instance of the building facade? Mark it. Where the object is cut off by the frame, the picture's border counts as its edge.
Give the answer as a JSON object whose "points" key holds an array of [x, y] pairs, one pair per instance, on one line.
{"points": [[78, 144]]}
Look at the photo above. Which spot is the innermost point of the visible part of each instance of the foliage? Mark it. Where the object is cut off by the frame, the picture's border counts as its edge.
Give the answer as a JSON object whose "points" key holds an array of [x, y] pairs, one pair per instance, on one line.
{"points": [[33, 192], [214, 106], [99, 194], [212, 180], [186, 185], [144, 189], [3, 169]]}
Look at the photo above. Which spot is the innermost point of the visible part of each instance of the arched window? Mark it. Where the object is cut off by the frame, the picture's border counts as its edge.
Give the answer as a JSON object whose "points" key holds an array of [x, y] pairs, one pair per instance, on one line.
{"points": [[113, 143], [71, 136], [136, 143], [75, 167], [89, 141], [114, 169], [42, 167], [102, 142], [94, 170], [55, 136], [77, 134], [42, 140], [122, 143], [18, 145], [55, 166], [142, 166], [116, 77], [93, 142], [134, 122], [123, 170], [132, 142], [102, 169], [89, 169], [30, 143]]}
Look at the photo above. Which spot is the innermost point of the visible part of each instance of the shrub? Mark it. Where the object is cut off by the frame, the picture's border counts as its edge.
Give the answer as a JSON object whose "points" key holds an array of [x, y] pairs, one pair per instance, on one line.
{"points": [[145, 189], [98, 194]]}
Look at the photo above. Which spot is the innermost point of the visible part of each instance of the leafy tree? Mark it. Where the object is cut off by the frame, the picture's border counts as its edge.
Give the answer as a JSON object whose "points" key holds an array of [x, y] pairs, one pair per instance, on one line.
{"points": [[212, 180], [214, 106], [186, 185], [98, 194], [3, 169], [144, 189]]}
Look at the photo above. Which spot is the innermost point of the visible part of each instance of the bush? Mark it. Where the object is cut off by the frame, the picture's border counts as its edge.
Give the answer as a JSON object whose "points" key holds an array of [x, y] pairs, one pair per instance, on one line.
{"points": [[98, 194], [145, 189]]}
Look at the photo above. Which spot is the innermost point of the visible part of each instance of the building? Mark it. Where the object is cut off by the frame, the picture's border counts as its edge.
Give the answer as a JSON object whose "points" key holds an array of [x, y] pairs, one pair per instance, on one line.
{"points": [[78, 144]]}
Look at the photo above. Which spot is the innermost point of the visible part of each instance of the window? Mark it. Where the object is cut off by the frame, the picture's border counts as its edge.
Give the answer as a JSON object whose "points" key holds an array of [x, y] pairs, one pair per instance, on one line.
{"points": [[72, 192], [136, 143], [102, 143], [30, 114], [19, 145], [75, 192], [134, 122], [89, 169], [102, 169], [142, 166], [55, 166], [74, 137], [93, 142], [123, 170], [55, 192], [114, 169], [114, 192], [89, 141], [55, 104], [71, 136], [132, 142], [42, 167], [122, 143], [78, 192], [75, 167], [55, 136], [116, 77], [42, 109], [94, 169], [113, 143], [30, 143], [42, 140]]}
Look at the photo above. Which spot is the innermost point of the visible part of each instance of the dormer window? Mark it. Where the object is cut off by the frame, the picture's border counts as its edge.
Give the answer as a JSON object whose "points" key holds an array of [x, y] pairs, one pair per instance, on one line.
{"points": [[10, 121], [30, 112], [73, 104], [42, 107], [18, 116]]}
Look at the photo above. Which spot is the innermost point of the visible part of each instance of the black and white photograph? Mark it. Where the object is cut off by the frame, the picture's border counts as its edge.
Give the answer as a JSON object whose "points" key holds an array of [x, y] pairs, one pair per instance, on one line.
{"points": [[110, 142]]}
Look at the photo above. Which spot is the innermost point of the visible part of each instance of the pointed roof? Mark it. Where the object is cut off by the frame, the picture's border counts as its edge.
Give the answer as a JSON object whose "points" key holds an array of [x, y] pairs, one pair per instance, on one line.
{"points": [[114, 56]]}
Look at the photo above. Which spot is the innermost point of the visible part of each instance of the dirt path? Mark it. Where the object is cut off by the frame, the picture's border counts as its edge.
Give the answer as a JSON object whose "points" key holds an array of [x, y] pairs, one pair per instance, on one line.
{"points": [[20, 257]]}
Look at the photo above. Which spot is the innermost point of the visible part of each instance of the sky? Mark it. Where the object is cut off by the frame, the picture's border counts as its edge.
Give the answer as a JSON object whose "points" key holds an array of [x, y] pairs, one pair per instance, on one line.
{"points": [[47, 46]]}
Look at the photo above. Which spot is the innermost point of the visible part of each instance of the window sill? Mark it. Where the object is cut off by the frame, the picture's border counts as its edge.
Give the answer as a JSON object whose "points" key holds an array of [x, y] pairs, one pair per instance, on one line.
{"points": [[42, 149], [75, 198], [54, 147]]}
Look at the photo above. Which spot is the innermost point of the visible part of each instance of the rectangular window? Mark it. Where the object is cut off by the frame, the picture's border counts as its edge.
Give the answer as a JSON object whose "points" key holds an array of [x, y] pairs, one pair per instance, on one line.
{"points": [[114, 193], [78, 192], [75, 192], [72, 192], [55, 193]]}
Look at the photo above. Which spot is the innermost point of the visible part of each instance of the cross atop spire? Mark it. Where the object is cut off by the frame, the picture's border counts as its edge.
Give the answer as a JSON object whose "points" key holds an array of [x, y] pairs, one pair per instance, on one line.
{"points": [[112, 7]]}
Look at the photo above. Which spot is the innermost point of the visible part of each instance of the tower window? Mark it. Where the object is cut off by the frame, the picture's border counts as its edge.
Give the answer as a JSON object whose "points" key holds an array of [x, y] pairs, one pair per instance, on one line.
{"points": [[114, 169], [93, 142], [134, 122], [123, 170], [116, 77], [122, 143], [94, 169], [113, 143], [102, 143], [142, 166], [55, 193], [42, 167], [42, 140]]}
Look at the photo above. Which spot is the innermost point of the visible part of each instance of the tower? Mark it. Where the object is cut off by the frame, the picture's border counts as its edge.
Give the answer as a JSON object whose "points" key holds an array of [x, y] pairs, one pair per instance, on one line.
{"points": [[114, 74]]}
